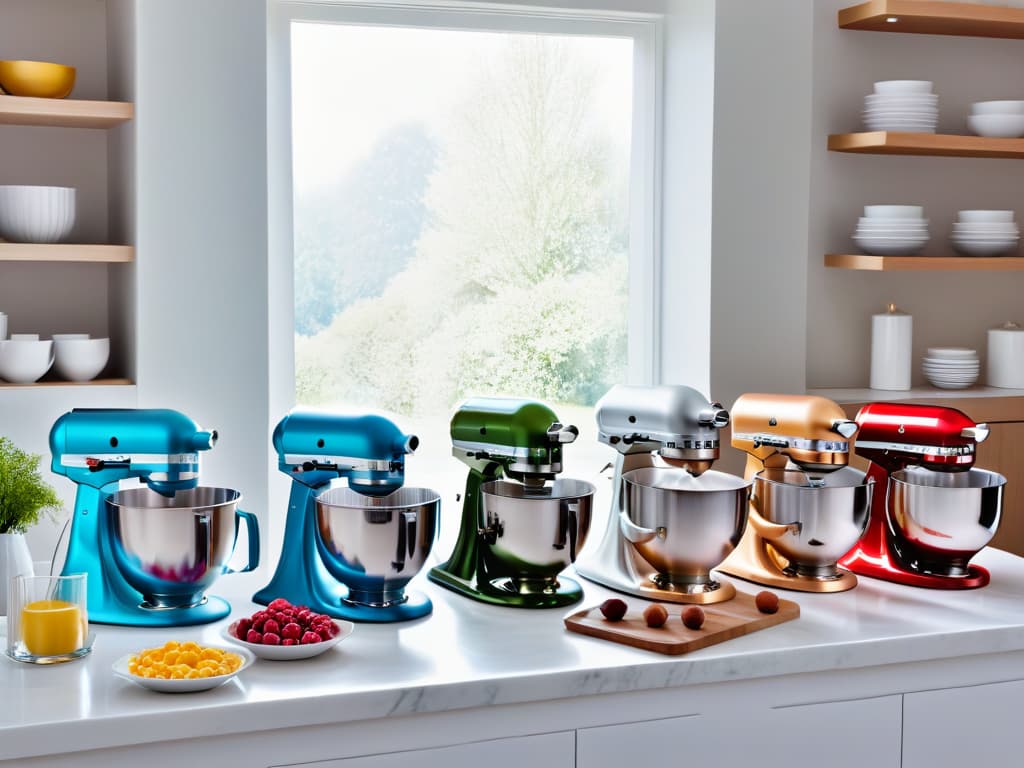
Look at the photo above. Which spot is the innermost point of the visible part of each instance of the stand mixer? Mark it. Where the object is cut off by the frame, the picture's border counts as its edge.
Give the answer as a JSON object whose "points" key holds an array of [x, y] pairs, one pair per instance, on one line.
{"points": [[516, 535], [932, 509], [668, 527], [349, 551], [149, 552], [807, 507]]}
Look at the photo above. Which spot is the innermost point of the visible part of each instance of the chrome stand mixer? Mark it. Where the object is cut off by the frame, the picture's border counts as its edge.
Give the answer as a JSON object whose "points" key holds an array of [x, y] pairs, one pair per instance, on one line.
{"points": [[671, 520], [349, 551], [150, 552], [932, 509], [807, 507], [516, 535]]}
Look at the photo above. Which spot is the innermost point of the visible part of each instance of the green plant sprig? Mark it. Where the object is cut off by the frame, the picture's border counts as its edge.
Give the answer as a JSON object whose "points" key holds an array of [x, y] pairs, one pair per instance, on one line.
{"points": [[24, 495]]}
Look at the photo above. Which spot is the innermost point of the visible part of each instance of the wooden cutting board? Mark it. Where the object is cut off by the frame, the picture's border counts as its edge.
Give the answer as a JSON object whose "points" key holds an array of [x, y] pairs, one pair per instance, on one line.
{"points": [[722, 621]]}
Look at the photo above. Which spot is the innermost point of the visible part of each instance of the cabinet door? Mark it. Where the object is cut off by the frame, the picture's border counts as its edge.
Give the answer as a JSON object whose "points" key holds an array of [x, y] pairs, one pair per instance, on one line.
{"points": [[550, 750], [1002, 453], [848, 734], [961, 727]]}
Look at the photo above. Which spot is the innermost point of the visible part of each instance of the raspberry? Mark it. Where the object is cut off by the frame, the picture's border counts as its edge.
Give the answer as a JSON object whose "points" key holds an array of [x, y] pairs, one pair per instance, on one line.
{"points": [[271, 638], [325, 633], [252, 636], [289, 641], [292, 631], [335, 629], [304, 616], [311, 637], [272, 627], [278, 604], [257, 624], [242, 628]]}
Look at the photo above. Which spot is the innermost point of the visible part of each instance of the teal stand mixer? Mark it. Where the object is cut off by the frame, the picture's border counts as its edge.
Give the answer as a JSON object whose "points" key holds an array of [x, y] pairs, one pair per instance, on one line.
{"points": [[349, 551], [517, 534], [149, 552]]}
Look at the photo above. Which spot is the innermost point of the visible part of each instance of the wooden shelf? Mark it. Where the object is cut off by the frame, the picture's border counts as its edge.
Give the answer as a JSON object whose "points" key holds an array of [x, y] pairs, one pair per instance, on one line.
{"points": [[64, 113], [925, 263], [93, 383], [933, 144], [935, 18], [66, 252]]}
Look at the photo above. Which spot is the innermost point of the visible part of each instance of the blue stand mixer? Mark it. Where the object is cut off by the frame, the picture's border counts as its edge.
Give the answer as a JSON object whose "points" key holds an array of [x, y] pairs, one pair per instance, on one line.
{"points": [[149, 552], [349, 552]]}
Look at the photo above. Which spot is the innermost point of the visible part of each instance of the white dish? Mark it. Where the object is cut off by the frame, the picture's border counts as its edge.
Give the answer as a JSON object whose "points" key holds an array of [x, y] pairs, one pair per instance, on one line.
{"points": [[997, 126], [25, 361], [183, 686], [890, 248], [983, 249], [901, 98], [887, 127], [291, 652], [949, 385], [997, 108], [952, 352], [894, 212], [903, 86], [32, 214], [998, 227], [911, 113], [944, 364], [80, 359], [983, 216]]}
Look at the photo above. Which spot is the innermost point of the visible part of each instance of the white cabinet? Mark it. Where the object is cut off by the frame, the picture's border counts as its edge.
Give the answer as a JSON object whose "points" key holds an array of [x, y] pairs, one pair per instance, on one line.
{"points": [[550, 750], [978, 725], [846, 734]]}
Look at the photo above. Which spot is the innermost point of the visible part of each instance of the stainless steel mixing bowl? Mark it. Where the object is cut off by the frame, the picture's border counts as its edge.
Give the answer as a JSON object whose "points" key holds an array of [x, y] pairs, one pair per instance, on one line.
{"points": [[682, 525], [939, 520], [376, 544], [813, 519], [172, 548], [530, 535]]}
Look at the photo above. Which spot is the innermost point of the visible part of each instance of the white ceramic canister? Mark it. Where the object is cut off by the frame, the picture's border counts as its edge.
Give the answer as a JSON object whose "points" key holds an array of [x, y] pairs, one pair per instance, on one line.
{"points": [[3, 326], [891, 361], [1006, 356]]}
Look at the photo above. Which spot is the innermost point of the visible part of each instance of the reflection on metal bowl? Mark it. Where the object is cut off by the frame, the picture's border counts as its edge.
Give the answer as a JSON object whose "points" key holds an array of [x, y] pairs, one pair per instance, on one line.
{"points": [[682, 525], [172, 548], [826, 513], [530, 535], [376, 544], [939, 520]]}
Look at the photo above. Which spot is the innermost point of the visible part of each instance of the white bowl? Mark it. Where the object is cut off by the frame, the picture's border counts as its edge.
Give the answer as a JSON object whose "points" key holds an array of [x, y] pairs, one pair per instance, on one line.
{"points": [[983, 249], [903, 86], [290, 652], [66, 336], [997, 126], [80, 359], [23, 362], [874, 99], [30, 214], [985, 216], [986, 227], [997, 108], [881, 247], [183, 686], [894, 211]]}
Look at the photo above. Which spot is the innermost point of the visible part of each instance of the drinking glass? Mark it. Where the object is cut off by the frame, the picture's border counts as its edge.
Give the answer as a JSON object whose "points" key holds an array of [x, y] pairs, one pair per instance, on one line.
{"points": [[47, 619]]}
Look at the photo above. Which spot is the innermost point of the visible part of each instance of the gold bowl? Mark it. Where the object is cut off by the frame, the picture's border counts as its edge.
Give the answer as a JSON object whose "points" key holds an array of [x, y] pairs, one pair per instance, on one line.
{"points": [[43, 79]]}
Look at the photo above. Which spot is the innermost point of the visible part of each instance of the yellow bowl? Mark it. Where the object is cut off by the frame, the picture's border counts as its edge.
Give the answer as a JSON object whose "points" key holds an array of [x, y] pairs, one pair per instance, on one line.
{"points": [[36, 78]]}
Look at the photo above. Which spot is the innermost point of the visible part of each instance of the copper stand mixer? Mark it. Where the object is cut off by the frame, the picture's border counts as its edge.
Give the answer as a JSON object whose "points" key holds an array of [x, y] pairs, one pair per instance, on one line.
{"points": [[932, 510], [671, 520], [807, 507]]}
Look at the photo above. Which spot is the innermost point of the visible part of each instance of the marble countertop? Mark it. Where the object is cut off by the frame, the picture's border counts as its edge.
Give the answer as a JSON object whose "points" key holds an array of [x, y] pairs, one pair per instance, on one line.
{"points": [[468, 654]]}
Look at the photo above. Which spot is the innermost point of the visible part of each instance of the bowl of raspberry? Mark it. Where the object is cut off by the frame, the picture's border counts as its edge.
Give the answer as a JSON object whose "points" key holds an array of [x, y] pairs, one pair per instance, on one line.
{"points": [[284, 632]]}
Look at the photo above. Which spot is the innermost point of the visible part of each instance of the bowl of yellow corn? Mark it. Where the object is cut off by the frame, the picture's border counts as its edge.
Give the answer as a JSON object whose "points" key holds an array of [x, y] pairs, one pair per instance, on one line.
{"points": [[183, 667]]}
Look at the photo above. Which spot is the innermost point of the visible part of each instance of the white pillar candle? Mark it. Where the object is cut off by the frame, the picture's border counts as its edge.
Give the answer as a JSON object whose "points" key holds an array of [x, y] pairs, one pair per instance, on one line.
{"points": [[1006, 356], [891, 335]]}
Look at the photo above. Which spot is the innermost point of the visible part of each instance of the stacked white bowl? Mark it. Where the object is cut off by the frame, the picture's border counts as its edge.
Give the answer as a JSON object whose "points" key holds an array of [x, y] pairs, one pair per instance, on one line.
{"points": [[892, 230], [32, 214], [997, 119], [985, 233], [907, 106], [951, 367]]}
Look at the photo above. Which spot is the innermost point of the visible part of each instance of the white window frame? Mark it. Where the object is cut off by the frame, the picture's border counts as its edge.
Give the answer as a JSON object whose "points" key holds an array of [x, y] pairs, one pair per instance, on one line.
{"points": [[645, 261]]}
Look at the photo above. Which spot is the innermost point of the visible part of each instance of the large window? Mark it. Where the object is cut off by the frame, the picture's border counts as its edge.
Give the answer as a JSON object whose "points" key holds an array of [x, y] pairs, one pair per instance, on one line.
{"points": [[471, 208]]}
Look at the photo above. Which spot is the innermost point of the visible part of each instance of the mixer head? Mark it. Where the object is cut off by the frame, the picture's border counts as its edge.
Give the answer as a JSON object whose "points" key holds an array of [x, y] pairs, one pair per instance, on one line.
{"points": [[677, 422], [96, 447], [522, 437], [316, 447], [812, 432], [896, 435]]}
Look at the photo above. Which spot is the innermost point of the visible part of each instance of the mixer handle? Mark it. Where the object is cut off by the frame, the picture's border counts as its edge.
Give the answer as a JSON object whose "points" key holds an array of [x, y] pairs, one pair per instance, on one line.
{"points": [[765, 529], [253, 534], [406, 539]]}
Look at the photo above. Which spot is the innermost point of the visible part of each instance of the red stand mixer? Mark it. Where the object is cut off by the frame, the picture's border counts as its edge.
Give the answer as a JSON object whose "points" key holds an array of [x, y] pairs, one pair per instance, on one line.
{"points": [[932, 510]]}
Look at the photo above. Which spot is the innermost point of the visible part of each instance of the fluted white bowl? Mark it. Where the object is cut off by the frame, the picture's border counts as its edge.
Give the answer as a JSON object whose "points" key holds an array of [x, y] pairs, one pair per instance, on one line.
{"points": [[30, 214], [23, 362], [80, 359], [1003, 126]]}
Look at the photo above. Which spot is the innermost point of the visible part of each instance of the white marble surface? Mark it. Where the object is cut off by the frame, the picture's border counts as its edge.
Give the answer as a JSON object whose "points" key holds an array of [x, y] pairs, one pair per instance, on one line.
{"points": [[468, 655]]}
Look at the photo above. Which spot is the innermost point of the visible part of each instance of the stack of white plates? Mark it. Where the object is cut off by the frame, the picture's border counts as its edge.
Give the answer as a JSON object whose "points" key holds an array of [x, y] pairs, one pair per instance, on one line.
{"points": [[985, 233], [907, 106], [892, 230], [997, 119], [951, 367]]}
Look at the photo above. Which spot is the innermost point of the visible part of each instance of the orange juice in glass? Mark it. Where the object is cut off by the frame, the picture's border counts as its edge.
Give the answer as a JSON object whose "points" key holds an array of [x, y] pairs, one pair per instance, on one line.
{"points": [[47, 619]]}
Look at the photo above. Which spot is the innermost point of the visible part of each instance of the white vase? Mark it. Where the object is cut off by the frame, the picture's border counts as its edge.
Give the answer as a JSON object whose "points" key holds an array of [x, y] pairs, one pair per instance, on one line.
{"points": [[15, 560]]}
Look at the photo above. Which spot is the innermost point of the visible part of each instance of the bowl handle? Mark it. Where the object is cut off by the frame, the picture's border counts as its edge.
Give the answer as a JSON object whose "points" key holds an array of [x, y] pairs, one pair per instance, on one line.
{"points": [[765, 529], [406, 539], [253, 531], [638, 534]]}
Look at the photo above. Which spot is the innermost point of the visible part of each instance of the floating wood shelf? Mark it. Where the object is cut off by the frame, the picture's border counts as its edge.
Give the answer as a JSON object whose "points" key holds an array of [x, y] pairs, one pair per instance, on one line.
{"points": [[66, 252], [93, 383], [925, 263], [934, 144], [64, 113], [934, 18]]}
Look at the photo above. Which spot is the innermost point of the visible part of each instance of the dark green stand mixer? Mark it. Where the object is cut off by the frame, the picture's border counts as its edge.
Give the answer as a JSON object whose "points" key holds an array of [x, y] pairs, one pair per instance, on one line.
{"points": [[520, 526]]}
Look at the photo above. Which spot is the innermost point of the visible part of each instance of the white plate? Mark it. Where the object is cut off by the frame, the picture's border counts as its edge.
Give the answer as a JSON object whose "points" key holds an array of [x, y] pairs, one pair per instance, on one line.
{"points": [[889, 249], [183, 686], [952, 352], [291, 652]]}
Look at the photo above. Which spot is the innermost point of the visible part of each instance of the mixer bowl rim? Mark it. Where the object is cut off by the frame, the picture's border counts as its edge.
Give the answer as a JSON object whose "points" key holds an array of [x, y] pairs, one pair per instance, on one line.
{"points": [[117, 498], [901, 477], [739, 483], [431, 497], [860, 479], [583, 489]]}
